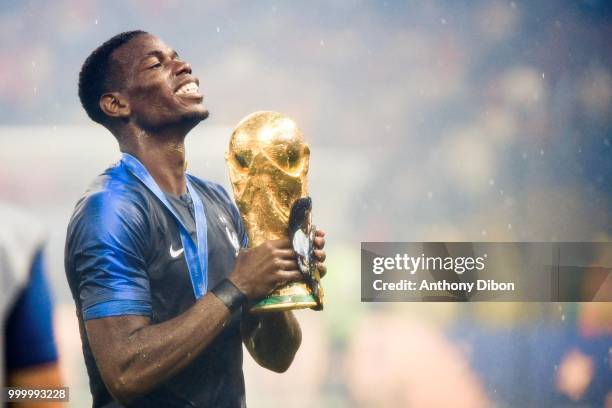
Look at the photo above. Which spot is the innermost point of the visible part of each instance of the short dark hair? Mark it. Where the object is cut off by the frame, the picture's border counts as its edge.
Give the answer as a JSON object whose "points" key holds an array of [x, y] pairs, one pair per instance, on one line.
{"points": [[95, 77]]}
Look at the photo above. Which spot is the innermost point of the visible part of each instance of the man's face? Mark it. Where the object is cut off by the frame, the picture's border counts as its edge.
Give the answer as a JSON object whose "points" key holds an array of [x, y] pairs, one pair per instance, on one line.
{"points": [[160, 88]]}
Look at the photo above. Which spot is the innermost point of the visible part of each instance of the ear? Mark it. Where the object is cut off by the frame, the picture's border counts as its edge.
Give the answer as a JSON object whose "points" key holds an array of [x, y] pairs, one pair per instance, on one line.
{"points": [[115, 105]]}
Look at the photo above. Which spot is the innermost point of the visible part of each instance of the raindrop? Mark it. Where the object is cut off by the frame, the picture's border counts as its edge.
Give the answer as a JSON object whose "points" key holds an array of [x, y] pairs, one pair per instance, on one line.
{"points": [[509, 226], [218, 29], [96, 21]]}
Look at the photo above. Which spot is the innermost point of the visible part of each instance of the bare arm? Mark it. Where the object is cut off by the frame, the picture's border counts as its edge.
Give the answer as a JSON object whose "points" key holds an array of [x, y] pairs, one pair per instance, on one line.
{"points": [[135, 356], [274, 338]]}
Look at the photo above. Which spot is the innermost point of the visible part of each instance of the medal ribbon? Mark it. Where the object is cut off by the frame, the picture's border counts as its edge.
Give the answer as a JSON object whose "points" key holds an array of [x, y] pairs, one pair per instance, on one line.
{"points": [[196, 253]]}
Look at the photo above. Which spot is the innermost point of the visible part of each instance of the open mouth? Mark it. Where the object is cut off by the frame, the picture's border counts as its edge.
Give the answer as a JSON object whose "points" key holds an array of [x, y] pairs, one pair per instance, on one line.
{"points": [[188, 89]]}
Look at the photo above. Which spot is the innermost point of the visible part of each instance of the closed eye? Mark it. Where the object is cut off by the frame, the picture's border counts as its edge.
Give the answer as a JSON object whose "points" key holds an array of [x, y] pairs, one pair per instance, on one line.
{"points": [[157, 65]]}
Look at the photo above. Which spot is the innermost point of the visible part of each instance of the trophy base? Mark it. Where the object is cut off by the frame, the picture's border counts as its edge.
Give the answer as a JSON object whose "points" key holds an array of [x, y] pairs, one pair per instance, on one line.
{"points": [[291, 297]]}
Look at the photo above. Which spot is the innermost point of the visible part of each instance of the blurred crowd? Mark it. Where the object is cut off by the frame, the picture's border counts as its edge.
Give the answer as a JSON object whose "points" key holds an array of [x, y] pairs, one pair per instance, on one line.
{"points": [[427, 120]]}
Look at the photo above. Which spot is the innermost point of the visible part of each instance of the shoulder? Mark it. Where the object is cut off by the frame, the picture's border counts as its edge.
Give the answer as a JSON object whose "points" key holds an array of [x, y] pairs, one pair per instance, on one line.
{"points": [[114, 197], [213, 189], [114, 190]]}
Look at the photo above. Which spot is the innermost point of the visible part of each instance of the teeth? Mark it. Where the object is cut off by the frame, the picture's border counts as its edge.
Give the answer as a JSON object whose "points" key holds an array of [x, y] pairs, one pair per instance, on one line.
{"points": [[189, 88]]}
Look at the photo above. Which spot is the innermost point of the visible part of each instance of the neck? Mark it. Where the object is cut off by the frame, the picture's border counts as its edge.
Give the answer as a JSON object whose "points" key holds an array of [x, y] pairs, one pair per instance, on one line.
{"points": [[163, 155]]}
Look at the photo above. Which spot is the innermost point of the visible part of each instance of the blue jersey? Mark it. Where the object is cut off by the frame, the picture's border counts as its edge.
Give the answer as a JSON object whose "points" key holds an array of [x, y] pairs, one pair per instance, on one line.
{"points": [[124, 256]]}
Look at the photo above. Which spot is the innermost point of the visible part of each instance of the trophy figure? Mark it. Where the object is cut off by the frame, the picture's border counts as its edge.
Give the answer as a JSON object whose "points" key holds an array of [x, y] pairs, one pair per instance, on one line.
{"points": [[268, 164]]}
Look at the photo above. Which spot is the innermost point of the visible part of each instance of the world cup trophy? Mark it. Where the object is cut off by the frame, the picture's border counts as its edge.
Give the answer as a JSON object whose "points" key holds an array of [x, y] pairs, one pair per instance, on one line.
{"points": [[268, 164]]}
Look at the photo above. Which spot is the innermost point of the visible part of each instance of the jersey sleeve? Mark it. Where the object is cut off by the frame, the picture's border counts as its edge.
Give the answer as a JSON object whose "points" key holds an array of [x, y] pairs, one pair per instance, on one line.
{"points": [[109, 257], [29, 327]]}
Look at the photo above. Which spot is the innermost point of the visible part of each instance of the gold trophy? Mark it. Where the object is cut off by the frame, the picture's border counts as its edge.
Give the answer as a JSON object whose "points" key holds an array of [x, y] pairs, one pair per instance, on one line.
{"points": [[268, 164]]}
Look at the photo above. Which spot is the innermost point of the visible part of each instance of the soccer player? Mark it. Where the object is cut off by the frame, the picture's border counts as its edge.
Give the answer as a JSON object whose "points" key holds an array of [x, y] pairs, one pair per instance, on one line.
{"points": [[153, 255]]}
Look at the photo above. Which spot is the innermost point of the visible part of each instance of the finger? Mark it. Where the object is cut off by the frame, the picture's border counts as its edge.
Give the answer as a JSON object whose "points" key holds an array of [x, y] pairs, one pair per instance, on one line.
{"points": [[287, 265], [322, 269], [289, 276], [285, 253], [320, 255], [319, 242]]}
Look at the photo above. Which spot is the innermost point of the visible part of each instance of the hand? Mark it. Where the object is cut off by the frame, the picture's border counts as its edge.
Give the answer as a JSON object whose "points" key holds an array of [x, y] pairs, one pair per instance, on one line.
{"points": [[319, 253], [260, 270]]}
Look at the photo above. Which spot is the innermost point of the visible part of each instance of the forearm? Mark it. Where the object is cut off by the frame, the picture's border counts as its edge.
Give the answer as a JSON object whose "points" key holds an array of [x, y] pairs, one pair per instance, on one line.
{"points": [[147, 355], [161, 350], [272, 338]]}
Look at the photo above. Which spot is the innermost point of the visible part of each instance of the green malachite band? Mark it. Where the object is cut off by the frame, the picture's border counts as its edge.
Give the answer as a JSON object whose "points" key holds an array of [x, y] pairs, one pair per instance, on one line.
{"points": [[278, 300]]}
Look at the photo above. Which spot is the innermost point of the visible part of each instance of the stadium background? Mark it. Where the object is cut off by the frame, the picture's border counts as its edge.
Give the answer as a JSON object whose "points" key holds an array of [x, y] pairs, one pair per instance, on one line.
{"points": [[427, 120]]}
